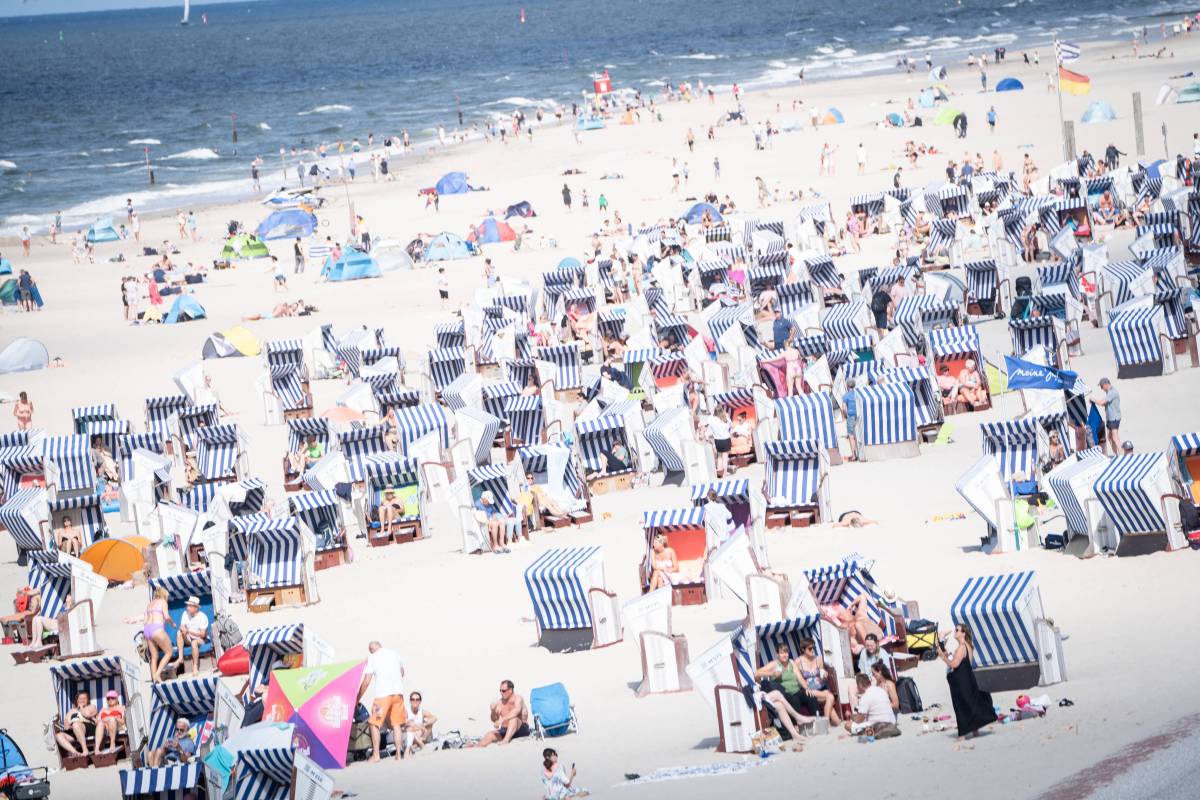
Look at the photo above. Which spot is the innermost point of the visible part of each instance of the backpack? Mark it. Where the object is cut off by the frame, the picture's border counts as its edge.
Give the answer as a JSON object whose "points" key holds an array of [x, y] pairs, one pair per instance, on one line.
{"points": [[910, 698], [228, 631]]}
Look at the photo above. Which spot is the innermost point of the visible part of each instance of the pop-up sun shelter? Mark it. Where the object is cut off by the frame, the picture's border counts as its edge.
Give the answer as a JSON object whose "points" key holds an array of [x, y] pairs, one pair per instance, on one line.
{"points": [[102, 230], [287, 224], [446, 247], [23, 355], [453, 183], [244, 246], [1016, 645], [353, 265], [491, 231], [185, 309]]}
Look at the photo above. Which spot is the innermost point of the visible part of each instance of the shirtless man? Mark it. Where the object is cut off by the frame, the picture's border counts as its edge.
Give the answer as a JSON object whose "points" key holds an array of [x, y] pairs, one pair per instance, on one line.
{"points": [[510, 715], [863, 624]]}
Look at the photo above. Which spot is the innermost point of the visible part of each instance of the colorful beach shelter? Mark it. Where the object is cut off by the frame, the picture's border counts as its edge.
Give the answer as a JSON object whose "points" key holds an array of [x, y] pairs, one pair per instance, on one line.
{"points": [[895, 119], [102, 230], [695, 214], [237, 341], [447, 246], [287, 224], [1009, 85], [1098, 111], [244, 246], [832, 117], [353, 265], [6, 267], [490, 231], [116, 559], [946, 115], [319, 702], [23, 355], [585, 123], [184, 309], [1189, 94], [521, 209], [926, 98], [453, 183]]}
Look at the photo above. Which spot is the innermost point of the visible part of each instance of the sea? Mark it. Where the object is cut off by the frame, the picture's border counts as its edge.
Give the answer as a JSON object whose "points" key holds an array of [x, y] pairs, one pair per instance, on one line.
{"points": [[89, 98]]}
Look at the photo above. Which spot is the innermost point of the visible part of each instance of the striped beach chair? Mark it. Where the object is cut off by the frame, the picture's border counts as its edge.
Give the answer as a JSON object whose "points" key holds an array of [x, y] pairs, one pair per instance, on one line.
{"points": [[842, 583], [952, 348], [279, 564], [193, 699], [847, 320], [526, 421], [67, 465], [1140, 503], [19, 460], [101, 412], [666, 434], [1071, 486], [887, 422], [598, 439], [421, 420], [556, 468], [191, 419], [154, 442], [1138, 333], [797, 488], [1186, 449], [480, 429], [96, 676], [445, 364], [327, 516], [402, 476], [809, 417], [1016, 645], [1047, 332], [25, 514], [85, 513], [566, 359], [200, 585], [160, 409], [289, 385], [685, 533], [465, 391], [220, 453], [561, 583], [299, 431], [918, 314], [497, 393], [266, 772]]}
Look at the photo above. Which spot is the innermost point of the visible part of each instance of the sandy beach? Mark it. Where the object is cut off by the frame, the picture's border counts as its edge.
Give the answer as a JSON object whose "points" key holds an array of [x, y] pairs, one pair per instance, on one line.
{"points": [[463, 623]]}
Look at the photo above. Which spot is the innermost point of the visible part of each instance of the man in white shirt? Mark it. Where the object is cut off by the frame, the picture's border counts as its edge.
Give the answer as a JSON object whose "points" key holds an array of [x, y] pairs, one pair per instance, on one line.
{"points": [[385, 669], [874, 708], [193, 632], [862, 159], [718, 428], [717, 521]]}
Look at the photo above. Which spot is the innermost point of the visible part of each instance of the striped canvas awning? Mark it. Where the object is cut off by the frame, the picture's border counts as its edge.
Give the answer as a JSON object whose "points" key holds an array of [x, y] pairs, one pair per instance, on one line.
{"points": [[1134, 333], [525, 417], [96, 676], [793, 472], [888, 414], [160, 781], [555, 582], [736, 490], [807, 416], [1186, 444], [264, 773], [754, 648], [300, 429], [661, 519], [963, 340], [82, 415], [1128, 494], [264, 645], [72, 457], [189, 697], [536, 460], [275, 554], [1000, 612], [846, 320], [416, 421], [446, 364], [843, 583], [669, 458], [566, 359], [1064, 488]]}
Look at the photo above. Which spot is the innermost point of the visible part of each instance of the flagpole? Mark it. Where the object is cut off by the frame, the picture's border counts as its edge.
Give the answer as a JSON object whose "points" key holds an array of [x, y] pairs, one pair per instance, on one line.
{"points": [[1008, 449], [1062, 122]]}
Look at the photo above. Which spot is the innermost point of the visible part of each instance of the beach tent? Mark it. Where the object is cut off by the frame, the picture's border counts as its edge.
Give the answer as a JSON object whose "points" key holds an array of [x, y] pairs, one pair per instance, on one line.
{"points": [[1009, 85], [447, 246], [237, 341], [6, 267], [1098, 111], [937, 74], [946, 115], [695, 214], [287, 224], [391, 255], [926, 98], [521, 209], [453, 183], [244, 246], [184, 309], [353, 265], [1166, 94], [895, 119], [832, 117], [102, 230], [490, 231], [586, 123], [23, 355], [1190, 94]]}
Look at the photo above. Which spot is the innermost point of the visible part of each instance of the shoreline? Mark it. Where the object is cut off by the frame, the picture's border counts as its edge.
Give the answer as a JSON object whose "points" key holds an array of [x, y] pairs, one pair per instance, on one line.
{"points": [[428, 151]]}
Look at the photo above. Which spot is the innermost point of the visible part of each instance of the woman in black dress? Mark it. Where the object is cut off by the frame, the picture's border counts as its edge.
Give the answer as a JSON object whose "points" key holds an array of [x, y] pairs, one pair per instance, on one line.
{"points": [[972, 707]]}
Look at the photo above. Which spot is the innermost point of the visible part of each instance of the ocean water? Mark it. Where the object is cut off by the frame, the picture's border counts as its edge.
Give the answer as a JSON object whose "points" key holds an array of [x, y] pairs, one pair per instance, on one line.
{"points": [[88, 97]]}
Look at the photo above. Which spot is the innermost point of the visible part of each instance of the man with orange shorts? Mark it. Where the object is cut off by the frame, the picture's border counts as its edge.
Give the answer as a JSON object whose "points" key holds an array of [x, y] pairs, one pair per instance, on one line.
{"points": [[385, 669]]}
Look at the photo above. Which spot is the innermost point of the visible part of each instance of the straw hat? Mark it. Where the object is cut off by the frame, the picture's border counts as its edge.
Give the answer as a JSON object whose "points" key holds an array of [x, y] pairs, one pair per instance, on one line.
{"points": [[487, 497], [193, 601]]}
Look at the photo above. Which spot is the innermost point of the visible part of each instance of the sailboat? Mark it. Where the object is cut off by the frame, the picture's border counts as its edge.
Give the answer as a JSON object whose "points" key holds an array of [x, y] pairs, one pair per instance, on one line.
{"points": [[186, 10]]}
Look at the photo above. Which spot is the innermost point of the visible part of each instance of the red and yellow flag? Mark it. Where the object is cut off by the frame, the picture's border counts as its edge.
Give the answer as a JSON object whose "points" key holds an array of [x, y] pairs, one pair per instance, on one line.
{"points": [[1073, 82]]}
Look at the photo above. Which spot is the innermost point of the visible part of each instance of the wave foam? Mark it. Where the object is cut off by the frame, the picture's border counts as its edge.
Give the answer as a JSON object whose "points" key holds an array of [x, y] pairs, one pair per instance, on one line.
{"points": [[198, 154], [264, 126], [329, 109], [700, 57], [143, 141], [7, 165]]}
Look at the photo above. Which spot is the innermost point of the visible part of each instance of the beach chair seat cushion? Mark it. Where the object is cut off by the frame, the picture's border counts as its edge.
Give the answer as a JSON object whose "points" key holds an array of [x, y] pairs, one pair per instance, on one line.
{"points": [[176, 609]]}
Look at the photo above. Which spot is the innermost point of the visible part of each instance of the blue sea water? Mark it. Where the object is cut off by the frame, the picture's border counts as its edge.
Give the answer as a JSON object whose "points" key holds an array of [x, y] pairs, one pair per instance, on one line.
{"points": [[85, 95]]}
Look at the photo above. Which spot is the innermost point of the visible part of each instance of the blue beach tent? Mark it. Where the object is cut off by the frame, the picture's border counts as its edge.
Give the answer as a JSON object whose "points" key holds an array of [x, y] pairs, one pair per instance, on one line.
{"points": [[583, 123], [185, 308], [287, 224], [102, 230], [453, 183], [1009, 85], [1098, 111], [570, 262], [353, 265], [695, 214], [447, 246], [521, 209], [5, 267]]}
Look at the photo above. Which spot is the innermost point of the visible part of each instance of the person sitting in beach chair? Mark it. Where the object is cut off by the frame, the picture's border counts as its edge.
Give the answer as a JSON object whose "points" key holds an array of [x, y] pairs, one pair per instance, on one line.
{"points": [[1106, 209], [309, 454], [103, 461], [783, 688], [391, 510], [68, 538], [192, 632], [617, 458], [741, 434], [488, 513], [179, 749], [111, 721], [948, 385], [971, 388], [79, 726], [41, 624], [816, 679], [665, 564]]}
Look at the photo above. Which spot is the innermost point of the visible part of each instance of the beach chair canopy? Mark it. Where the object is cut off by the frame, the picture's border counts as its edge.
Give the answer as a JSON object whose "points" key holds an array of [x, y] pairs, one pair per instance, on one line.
{"points": [[96, 676], [70, 459], [754, 647], [265, 771], [844, 582], [1129, 489], [558, 583], [793, 472], [665, 433], [888, 414], [1001, 611], [276, 552], [807, 416], [264, 646], [1134, 331]]}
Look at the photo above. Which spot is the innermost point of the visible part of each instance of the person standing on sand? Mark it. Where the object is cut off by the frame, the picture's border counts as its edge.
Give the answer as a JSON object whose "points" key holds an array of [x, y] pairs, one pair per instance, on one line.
{"points": [[566, 196], [25, 240], [129, 209], [716, 168], [191, 223], [991, 119], [602, 203], [1111, 403], [983, 76], [862, 159], [23, 411], [135, 225], [298, 254], [691, 141], [385, 669]]}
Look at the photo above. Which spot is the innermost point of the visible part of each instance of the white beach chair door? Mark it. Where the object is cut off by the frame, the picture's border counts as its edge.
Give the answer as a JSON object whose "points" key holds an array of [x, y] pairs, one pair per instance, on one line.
{"points": [[606, 617], [712, 668], [308, 567], [659, 658], [714, 374], [316, 651], [738, 724], [835, 644], [135, 711], [473, 537], [427, 448], [671, 397], [650, 612], [309, 781], [329, 471], [86, 584], [764, 602], [698, 461], [696, 355], [227, 717], [731, 563], [758, 528]]}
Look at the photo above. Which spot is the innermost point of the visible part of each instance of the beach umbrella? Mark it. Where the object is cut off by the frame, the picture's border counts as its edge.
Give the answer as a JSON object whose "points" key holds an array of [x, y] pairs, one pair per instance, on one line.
{"points": [[1166, 94], [833, 117], [570, 262], [1191, 94], [1009, 85], [1098, 111], [895, 119], [343, 414], [945, 116], [319, 702], [116, 559]]}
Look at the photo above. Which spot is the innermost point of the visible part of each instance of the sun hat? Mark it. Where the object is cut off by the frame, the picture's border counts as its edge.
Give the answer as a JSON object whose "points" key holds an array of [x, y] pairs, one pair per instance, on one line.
{"points": [[193, 601]]}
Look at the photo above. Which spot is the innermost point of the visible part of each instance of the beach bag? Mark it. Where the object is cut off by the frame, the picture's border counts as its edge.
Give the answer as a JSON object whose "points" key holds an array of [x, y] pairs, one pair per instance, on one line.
{"points": [[1055, 541], [228, 631], [767, 741], [909, 697], [920, 634]]}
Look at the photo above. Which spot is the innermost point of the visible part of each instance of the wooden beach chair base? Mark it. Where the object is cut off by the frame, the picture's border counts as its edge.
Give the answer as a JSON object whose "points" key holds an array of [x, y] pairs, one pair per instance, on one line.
{"points": [[603, 484], [327, 559], [1142, 544], [929, 433], [882, 452], [35, 655]]}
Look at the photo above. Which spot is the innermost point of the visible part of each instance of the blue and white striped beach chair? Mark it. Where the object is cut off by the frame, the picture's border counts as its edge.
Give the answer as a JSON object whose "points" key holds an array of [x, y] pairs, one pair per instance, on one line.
{"points": [[1140, 503], [560, 583]]}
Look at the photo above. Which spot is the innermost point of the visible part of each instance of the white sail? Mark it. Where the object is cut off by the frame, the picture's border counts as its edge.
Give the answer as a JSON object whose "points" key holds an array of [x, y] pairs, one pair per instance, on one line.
{"points": [[186, 11]]}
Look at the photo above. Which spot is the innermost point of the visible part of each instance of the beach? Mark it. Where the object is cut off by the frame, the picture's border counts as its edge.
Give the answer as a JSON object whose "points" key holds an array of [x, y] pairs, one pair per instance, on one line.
{"points": [[464, 622]]}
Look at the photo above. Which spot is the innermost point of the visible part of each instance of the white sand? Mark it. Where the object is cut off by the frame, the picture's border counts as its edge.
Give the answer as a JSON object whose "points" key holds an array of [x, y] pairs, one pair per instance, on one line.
{"points": [[463, 622]]}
